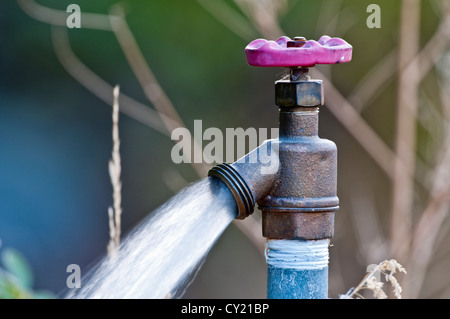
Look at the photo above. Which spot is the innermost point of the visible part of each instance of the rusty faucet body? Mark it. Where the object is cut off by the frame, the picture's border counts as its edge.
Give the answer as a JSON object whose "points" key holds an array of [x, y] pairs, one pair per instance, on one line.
{"points": [[303, 200], [298, 199]]}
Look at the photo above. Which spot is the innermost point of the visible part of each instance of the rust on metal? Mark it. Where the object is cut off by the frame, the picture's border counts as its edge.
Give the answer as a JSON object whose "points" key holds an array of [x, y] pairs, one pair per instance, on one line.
{"points": [[303, 201], [297, 42], [282, 224], [298, 93]]}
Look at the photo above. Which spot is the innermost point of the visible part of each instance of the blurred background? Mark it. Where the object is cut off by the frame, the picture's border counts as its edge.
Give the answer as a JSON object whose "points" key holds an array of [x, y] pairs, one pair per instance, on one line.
{"points": [[388, 111]]}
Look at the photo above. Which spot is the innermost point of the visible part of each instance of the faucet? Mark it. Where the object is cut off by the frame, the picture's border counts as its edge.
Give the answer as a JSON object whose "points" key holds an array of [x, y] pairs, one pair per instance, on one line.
{"points": [[292, 179]]}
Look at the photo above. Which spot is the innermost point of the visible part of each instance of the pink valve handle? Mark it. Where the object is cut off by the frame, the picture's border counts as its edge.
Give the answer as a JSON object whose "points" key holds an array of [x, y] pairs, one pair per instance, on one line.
{"points": [[280, 53]]}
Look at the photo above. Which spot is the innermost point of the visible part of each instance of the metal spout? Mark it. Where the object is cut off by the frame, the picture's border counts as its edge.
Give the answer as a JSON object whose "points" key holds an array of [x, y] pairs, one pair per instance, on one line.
{"points": [[250, 178]]}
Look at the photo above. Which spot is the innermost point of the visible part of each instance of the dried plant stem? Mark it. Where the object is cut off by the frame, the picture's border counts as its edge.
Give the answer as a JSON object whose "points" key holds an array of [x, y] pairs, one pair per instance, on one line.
{"points": [[388, 268], [405, 135], [115, 168], [363, 285]]}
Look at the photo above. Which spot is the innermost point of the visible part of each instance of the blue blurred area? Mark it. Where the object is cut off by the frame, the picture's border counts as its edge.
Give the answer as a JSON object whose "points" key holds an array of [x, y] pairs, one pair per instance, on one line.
{"points": [[54, 183]]}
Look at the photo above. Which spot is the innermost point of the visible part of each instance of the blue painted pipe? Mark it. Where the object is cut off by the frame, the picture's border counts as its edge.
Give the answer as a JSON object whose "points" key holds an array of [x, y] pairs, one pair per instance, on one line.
{"points": [[297, 269]]}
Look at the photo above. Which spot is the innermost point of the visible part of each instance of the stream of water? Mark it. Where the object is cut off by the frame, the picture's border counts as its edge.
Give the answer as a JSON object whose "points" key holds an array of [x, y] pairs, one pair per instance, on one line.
{"points": [[161, 256]]}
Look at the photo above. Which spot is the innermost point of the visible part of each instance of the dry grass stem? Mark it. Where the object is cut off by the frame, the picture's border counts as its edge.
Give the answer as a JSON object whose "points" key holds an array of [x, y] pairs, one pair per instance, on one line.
{"points": [[115, 168], [388, 268], [405, 135], [376, 287]]}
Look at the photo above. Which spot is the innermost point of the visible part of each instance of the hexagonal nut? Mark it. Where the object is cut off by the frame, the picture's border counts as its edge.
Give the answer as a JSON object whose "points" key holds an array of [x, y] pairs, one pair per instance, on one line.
{"points": [[299, 93]]}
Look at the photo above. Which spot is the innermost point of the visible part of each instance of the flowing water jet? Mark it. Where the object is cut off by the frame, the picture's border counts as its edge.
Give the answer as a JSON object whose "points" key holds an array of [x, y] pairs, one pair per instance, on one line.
{"points": [[160, 257]]}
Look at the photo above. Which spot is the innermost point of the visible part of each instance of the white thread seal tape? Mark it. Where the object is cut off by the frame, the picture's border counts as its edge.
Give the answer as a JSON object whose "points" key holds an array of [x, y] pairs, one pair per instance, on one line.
{"points": [[297, 254]]}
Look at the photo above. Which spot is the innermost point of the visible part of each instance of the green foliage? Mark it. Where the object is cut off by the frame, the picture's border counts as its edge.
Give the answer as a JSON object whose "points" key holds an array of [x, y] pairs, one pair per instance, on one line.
{"points": [[16, 277]]}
